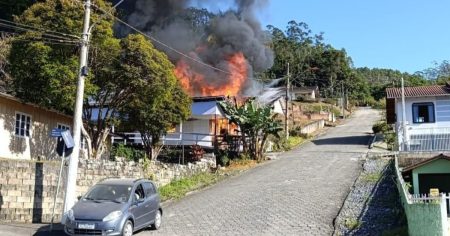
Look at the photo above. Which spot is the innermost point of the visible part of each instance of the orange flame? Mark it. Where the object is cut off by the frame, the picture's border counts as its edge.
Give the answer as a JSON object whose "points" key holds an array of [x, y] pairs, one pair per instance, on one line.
{"points": [[195, 84]]}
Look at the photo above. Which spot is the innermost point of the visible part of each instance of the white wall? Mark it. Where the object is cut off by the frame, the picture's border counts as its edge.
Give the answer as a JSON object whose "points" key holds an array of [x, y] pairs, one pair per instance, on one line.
{"points": [[39, 143], [440, 126], [194, 132], [277, 107], [440, 112]]}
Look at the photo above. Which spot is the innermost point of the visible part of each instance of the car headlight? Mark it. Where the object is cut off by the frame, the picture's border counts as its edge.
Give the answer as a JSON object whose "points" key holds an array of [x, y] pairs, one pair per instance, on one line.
{"points": [[113, 215], [70, 215]]}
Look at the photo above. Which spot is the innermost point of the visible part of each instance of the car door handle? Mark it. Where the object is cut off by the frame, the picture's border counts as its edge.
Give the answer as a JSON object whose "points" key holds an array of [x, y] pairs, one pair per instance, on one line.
{"points": [[147, 205]]}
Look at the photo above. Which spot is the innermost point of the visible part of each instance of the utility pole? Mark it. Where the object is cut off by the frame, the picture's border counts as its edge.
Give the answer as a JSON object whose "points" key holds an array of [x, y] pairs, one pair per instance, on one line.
{"points": [[286, 114], [404, 144], [69, 200], [342, 100]]}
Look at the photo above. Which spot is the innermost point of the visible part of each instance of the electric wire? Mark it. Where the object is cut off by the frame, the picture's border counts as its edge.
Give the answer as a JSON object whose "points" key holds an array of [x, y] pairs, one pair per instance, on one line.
{"points": [[35, 31], [39, 39], [39, 29], [162, 43]]}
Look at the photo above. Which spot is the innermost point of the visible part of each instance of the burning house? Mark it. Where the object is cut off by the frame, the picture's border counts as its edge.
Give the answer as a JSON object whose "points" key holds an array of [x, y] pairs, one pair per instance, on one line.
{"points": [[215, 56]]}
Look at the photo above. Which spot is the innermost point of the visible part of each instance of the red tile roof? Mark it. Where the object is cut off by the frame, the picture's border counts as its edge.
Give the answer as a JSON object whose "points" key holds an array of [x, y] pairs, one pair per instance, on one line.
{"points": [[421, 91]]}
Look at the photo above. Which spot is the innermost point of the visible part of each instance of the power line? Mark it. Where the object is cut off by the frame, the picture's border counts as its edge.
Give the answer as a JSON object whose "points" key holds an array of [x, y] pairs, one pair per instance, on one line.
{"points": [[40, 39], [18, 28], [162, 43], [38, 29]]}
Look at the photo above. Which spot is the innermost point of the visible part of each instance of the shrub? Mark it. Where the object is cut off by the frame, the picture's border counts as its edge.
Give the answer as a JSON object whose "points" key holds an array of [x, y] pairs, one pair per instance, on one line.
{"points": [[380, 104], [129, 153], [377, 127], [388, 132], [352, 224], [281, 144], [331, 101], [222, 158]]}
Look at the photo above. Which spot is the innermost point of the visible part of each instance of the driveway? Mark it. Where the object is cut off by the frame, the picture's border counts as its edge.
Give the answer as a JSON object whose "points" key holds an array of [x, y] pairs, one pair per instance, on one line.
{"points": [[300, 193]]}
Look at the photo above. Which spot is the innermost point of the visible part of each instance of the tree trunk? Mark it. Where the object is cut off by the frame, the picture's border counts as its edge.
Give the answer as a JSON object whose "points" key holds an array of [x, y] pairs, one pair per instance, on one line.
{"points": [[261, 148], [88, 141], [101, 143]]}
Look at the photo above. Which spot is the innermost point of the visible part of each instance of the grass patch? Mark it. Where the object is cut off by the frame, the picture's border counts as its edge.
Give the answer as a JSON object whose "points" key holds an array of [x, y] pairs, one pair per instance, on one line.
{"points": [[294, 141], [371, 178], [179, 188], [242, 164], [351, 223]]}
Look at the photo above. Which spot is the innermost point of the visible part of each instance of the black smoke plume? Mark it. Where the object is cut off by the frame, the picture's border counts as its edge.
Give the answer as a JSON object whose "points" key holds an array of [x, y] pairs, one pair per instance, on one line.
{"points": [[210, 38]]}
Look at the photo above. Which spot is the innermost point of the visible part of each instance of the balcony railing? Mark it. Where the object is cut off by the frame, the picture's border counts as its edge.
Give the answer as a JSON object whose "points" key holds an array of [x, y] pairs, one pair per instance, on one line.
{"points": [[425, 139]]}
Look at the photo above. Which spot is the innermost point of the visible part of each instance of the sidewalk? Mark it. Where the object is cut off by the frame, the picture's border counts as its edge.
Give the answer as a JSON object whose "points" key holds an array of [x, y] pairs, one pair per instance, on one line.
{"points": [[14, 229]]}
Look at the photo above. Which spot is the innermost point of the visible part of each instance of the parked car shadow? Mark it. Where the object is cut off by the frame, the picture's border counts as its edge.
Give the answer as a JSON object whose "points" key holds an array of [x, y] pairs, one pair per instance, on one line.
{"points": [[58, 230], [350, 140]]}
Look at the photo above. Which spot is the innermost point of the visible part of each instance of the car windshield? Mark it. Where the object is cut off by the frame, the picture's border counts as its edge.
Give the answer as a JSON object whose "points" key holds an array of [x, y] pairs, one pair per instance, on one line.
{"points": [[103, 192]]}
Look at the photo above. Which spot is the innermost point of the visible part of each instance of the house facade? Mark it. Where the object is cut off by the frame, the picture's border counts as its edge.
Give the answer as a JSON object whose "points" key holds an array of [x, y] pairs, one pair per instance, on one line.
{"points": [[427, 116], [305, 93], [206, 123], [25, 129]]}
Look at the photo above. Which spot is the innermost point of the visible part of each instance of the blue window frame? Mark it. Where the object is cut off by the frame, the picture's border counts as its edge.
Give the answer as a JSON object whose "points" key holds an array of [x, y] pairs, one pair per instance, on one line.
{"points": [[423, 112]]}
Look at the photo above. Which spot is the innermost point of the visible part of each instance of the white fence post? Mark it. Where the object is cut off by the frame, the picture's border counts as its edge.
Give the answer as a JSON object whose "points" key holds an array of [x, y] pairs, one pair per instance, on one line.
{"points": [[444, 216]]}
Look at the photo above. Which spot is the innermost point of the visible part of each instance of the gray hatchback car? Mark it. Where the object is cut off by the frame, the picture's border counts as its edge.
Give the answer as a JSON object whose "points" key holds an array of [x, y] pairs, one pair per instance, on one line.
{"points": [[116, 207]]}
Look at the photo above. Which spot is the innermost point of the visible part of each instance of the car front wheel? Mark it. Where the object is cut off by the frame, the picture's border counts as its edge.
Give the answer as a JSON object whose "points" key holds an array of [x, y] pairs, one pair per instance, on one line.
{"points": [[158, 219], [127, 228]]}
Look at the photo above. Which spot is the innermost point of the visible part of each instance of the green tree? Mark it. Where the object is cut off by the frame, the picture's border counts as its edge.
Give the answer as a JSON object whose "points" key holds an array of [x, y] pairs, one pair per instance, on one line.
{"points": [[118, 68], [312, 63], [160, 103], [10, 8], [256, 124], [5, 78], [50, 76], [51, 69]]}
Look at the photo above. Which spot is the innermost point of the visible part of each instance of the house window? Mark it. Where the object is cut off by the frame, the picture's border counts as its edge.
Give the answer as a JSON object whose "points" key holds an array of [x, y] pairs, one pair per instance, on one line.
{"points": [[423, 112], [63, 127], [23, 124]]}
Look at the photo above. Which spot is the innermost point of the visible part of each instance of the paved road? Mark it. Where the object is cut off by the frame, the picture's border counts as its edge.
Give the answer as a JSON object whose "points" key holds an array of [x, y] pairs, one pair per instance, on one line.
{"points": [[298, 194]]}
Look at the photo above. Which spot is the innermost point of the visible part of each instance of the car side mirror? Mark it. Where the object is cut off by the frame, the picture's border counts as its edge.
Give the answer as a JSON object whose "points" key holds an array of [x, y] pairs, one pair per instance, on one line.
{"points": [[79, 197]]}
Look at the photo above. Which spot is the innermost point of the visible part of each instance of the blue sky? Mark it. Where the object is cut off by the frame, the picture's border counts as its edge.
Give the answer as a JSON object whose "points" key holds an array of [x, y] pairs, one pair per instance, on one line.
{"points": [[408, 35]]}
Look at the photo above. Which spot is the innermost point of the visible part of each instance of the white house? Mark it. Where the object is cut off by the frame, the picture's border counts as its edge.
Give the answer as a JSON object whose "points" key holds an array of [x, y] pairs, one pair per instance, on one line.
{"points": [[305, 93], [427, 115], [25, 129], [274, 97], [206, 122]]}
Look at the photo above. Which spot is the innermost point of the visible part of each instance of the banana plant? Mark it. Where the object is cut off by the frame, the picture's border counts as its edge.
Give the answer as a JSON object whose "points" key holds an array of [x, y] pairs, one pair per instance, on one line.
{"points": [[256, 123]]}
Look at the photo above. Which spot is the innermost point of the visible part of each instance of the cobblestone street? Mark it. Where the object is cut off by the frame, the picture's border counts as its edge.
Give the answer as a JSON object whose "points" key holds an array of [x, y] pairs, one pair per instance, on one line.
{"points": [[298, 194]]}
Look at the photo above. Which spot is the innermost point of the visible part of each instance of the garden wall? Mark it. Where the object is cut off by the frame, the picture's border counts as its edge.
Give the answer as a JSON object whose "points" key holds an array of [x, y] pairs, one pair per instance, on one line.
{"points": [[424, 216], [312, 127], [27, 188]]}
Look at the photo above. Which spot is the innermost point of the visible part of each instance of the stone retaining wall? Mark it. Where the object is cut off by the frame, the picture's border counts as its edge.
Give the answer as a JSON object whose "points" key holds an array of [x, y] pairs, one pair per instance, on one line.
{"points": [[312, 127], [27, 188]]}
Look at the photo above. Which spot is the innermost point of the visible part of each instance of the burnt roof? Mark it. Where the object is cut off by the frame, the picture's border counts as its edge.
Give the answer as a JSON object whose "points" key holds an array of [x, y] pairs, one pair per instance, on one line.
{"points": [[208, 98], [420, 91]]}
